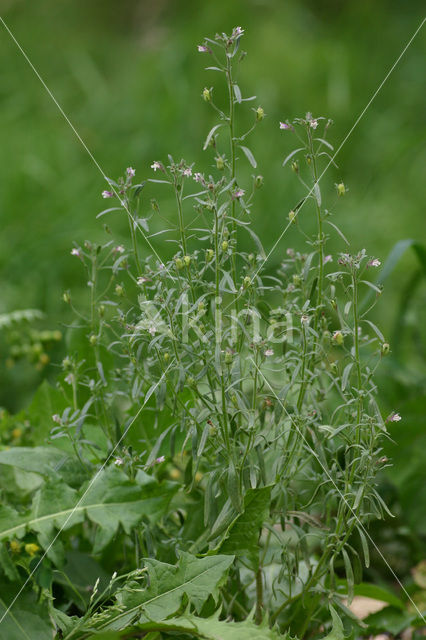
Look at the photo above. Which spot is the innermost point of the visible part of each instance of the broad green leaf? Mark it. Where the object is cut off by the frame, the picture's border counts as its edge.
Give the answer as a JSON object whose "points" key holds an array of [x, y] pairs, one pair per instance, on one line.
{"points": [[27, 619], [46, 461], [378, 593], [112, 499], [242, 537], [191, 579], [205, 628]]}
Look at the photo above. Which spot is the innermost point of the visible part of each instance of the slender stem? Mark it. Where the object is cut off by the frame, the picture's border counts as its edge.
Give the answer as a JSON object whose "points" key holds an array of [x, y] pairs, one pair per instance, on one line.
{"points": [[233, 163], [180, 215], [259, 595]]}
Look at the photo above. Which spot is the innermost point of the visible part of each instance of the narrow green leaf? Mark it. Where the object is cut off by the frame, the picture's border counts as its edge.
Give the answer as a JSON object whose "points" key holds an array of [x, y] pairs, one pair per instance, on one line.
{"points": [[250, 156]]}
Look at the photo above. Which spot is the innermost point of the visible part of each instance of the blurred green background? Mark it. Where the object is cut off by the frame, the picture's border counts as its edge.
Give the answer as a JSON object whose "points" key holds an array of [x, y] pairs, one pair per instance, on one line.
{"points": [[130, 79]]}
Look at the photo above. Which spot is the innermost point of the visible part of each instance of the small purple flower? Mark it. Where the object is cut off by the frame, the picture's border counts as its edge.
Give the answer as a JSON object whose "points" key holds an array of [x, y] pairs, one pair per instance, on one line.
{"points": [[284, 125], [198, 177], [202, 48], [107, 194], [187, 172], [393, 417], [269, 352], [142, 280], [159, 460], [238, 194], [157, 165], [237, 32], [56, 418], [76, 252], [328, 258], [119, 249], [130, 172], [375, 262]]}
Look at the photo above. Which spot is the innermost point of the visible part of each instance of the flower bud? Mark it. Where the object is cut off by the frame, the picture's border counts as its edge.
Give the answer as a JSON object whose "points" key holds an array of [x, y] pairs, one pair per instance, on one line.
{"points": [[228, 357], [187, 260], [66, 297], [119, 290], [292, 217], [93, 340], [101, 311], [341, 189], [166, 356], [334, 368], [295, 166], [258, 182], [224, 245], [385, 348], [209, 254], [247, 281], [338, 338], [260, 114], [297, 280], [220, 163], [206, 94], [179, 263]]}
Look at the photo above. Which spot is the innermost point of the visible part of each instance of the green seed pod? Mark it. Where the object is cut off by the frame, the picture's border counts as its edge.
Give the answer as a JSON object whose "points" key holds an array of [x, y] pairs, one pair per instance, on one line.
{"points": [[228, 357], [292, 217], [206, 94], [258, 182], [119, 290], [224, 245], [260, 114], [385, 348], [295, 166], [93, 340], [187, 260], [338, 338], [220, 163], [179, 263], [209, 254]]}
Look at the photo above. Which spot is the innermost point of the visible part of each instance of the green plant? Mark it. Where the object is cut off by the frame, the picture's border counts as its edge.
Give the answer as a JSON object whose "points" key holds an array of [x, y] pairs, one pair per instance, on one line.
{"points": [[218, 437]]}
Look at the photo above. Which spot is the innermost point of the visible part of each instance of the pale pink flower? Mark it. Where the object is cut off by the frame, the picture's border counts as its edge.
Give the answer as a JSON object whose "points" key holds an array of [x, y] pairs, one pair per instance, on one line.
{"points": [[142, 280], [130, 172], [238, 194], [313, 123], [76, 252], [187, 172], [328, 258], [269, 352], [107, 194], [56, 418], [152, 330], [202, 48], [118, 462], [284, 125], [119, 249], [393, 417], [159, 460], [375, 262], [198, 177], [156, 165]]}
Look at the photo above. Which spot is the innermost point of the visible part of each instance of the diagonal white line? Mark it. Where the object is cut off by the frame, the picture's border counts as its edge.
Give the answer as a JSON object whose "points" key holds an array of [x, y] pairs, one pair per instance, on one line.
{"points": [[345, 139], [84, 145], [341, 495], [91, 483]]}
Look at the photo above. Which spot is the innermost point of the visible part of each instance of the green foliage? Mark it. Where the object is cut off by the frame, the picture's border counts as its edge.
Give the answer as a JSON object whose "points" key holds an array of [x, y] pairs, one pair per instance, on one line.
{"points": [[255, 393]]}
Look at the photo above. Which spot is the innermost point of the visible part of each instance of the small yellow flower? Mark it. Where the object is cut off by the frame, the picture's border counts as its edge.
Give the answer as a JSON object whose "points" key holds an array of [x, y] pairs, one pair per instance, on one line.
{"points": [[15, 546], [16, 433], [32, 548]]}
